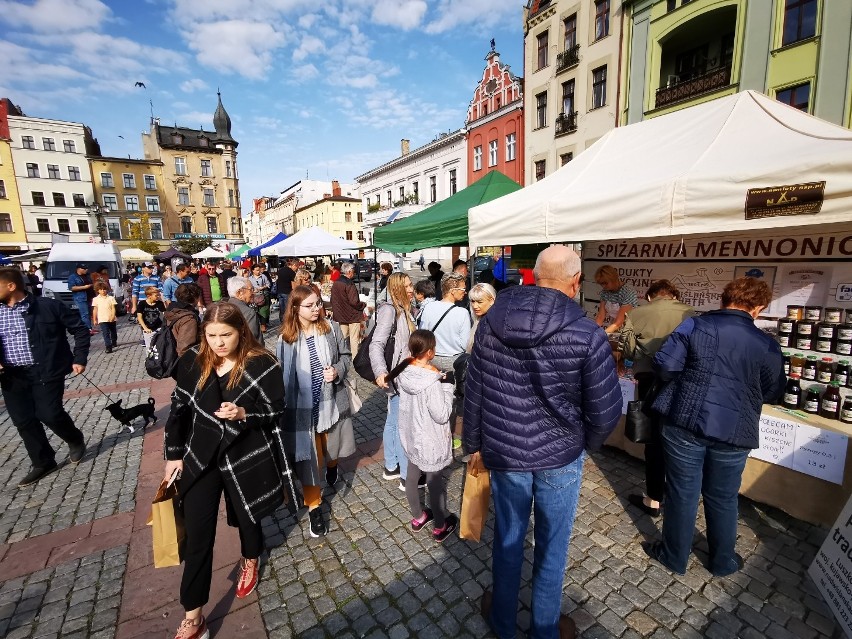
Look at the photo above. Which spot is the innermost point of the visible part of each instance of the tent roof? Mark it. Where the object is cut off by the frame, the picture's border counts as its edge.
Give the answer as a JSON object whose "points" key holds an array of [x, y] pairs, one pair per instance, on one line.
{"points": [[209, 252], [279, 237], [683, 173], [169, 254], [444, 223], [311, 241], [238, 252]]}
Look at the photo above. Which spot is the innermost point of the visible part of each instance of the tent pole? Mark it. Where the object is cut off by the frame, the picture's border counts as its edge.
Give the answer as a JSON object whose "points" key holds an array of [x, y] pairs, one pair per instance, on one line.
{"points": [[375, 284]]}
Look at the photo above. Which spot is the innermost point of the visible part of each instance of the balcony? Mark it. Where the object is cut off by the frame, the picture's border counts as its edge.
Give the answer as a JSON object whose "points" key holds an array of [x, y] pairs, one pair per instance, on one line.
{"points": [[568, 59], [677, 91], [566, 123]]}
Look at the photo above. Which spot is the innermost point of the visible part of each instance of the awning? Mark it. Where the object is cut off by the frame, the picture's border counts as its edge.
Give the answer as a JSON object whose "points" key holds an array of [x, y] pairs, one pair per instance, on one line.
{"points": [[255, 252]]}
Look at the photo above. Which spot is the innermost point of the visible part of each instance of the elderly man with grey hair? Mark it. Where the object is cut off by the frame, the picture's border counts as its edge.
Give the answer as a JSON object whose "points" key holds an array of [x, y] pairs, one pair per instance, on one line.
{"points": [[347, 309], [241, 291]]}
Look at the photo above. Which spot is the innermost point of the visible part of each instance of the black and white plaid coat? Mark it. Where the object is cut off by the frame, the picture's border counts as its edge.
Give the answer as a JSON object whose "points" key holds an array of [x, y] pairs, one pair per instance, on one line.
{"points": [[251, 454]]}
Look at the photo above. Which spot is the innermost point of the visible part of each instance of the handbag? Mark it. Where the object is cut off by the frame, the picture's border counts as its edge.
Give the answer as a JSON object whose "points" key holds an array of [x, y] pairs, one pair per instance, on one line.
{"points": [[475, 500], [637, 425], [167, 529], [361, 361]]}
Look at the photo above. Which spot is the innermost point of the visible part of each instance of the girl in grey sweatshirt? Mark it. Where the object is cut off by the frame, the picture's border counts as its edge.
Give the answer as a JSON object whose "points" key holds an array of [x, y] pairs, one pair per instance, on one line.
{"points": [[425, 402]]}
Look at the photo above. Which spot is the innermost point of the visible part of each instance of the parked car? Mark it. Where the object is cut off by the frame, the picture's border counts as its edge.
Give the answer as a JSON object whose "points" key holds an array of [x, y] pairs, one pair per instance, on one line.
{"points": [[485, 262], [365, 269]]}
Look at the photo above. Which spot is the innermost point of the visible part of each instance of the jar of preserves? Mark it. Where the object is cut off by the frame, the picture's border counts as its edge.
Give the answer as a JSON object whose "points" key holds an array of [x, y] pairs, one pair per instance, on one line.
{"points": [[825, 370], [786, 359], [806, 328], [843, 346], [833, 315], [823, 345], [785, 340], [805, 342], [811, 403], [844, 332], [846, 411], [786, 325], [841, 372], [810, 370], [813, 313], [830, 405], [797, 363], [796, 312], [792, 392]]}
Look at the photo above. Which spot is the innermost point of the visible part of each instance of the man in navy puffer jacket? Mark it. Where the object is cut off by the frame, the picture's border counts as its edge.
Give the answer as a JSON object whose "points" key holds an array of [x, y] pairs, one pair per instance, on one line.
{"points": [[541, 388]]}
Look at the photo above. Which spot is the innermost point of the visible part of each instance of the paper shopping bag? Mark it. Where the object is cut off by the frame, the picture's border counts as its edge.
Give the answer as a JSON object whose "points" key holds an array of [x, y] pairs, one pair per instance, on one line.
{"points": [[475, 500], [167, 529]]}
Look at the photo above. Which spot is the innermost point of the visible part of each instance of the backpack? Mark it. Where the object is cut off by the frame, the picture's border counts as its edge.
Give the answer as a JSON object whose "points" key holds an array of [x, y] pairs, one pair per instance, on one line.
{"points": [[361, 361], [162, 356]]}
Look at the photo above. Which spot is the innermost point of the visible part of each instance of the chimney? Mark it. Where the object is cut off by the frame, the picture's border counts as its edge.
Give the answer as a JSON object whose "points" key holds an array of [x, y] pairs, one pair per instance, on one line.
{"points": [[405, 146], [335, 188]]}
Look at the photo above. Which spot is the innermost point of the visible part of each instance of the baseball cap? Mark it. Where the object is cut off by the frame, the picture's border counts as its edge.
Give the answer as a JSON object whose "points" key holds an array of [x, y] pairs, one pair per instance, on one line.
{"points": [[148, 264], [81, 265]]}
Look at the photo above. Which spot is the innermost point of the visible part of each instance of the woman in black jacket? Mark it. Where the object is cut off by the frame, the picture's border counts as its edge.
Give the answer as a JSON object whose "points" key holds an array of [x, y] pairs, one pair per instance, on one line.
{"points": [[222, 436]]}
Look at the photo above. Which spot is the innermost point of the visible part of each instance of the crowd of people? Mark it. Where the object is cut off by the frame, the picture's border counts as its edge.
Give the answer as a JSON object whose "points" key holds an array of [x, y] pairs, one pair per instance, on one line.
{"points": [[520, 378]]}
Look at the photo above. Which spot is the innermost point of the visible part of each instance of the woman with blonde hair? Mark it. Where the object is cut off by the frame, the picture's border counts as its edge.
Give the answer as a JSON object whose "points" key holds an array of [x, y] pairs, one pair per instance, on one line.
{"points": [[481, 298], [617, 299], [222, 436], [393, 322], [315, 358]]}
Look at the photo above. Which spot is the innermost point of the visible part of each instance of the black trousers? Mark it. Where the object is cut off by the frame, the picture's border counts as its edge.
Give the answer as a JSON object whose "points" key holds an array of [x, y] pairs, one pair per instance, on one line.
{"points": [[200, 513], [33, 404], [655, 464], [437, 488]]}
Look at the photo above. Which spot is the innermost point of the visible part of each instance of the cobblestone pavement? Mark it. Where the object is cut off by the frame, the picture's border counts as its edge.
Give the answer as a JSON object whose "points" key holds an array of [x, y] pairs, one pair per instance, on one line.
{"points": [[372, 576]]}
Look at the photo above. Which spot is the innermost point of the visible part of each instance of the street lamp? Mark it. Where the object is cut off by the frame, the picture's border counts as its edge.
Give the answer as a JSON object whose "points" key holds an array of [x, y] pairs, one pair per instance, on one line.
{"points": [[98, 211]]}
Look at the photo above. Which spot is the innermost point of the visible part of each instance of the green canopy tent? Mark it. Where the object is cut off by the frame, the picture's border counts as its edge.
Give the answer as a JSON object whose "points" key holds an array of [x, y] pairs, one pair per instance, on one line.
{"points": [[444, 223], [238, 252]]}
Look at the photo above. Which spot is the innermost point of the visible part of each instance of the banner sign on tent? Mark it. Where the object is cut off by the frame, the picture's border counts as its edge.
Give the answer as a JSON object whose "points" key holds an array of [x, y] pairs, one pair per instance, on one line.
{"points": [[831, 569], [793, 199]]}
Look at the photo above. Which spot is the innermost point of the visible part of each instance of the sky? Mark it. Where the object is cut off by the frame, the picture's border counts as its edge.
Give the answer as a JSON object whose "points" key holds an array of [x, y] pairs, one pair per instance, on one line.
{"points": [[324, 90]]}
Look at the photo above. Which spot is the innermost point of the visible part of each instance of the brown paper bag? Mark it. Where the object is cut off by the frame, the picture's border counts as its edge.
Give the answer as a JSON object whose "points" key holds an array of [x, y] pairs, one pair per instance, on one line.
{"points": [[475, 500], [167, 529]]}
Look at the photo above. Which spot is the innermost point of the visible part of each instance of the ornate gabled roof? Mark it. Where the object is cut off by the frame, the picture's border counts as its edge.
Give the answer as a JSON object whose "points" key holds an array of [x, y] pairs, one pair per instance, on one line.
{"points": [[222, 123]]}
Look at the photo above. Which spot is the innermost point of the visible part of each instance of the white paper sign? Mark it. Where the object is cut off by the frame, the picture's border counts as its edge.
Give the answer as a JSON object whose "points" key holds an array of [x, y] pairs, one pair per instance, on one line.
{"points": [[821, 453], [628, 392], [777, 441], [831, 569]]}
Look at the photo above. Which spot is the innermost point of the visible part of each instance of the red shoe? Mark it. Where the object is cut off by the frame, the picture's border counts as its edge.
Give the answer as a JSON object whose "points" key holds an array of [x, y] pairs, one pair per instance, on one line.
{"points": [[190, 630], [247, 581]]}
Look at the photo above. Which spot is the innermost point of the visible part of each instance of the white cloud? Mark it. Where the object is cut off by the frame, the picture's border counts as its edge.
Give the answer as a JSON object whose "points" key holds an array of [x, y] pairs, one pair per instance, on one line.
{"points": [[308, 20], [479, 13], [194, 119], [265, 122], [238, 46], [405, 14], [384, 108], [195, 84], [55, 16], [304, 72], [308, 46]]}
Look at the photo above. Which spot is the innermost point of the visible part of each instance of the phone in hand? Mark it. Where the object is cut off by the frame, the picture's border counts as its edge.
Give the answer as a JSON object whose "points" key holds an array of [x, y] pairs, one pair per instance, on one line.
{"points": [[449, 378]]}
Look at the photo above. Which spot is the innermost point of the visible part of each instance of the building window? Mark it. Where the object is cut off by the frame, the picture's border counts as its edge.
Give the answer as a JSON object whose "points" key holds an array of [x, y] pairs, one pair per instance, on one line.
{"points": [[131, 202], [79, 200], [43, 225], [235, 226], [183, 195], [570, 32], [206, 168], [69, 146], [186, 224], [539, 170], [208, 198], [601, 19], [599, 87], [492, 153], [129, 180], [799, 20], [477, 158], [433, 188], [541, 110], [113, 229], [38, 198], [27, 142], [48, 144], [150, 182], [390, 199], [360, 236], [58, 199], [111, 202], [32, 170], [74, 173], [152, 203], [347, 216], [231, 197], [349, 235], [82, 226], [53, 171], [415, 189], [63, 225], [211, 225], [227, 168], [401, 193], [541, 39], [360, 216], [565, 158], [797, 97], [156, 230], [106, 180], [568, 97], [180, 166], [5, 222], [2, 189]]}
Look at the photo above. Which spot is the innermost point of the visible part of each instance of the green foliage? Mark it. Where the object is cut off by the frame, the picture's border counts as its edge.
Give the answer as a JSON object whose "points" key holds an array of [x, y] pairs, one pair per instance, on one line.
{"points": [[138, 233], [193, 245]]}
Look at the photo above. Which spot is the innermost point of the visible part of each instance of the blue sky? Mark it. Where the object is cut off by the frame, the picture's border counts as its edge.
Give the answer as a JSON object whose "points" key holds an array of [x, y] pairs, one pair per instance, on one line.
{"points": [[325, 89]]}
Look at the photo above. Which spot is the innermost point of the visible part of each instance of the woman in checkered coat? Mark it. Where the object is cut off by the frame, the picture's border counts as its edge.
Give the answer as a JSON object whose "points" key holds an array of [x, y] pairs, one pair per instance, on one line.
{"points": [[224, 434]]}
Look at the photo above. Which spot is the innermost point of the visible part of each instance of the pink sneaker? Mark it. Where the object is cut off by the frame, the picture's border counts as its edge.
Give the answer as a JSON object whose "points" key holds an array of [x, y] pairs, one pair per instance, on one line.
{"points": [[189, 629]]}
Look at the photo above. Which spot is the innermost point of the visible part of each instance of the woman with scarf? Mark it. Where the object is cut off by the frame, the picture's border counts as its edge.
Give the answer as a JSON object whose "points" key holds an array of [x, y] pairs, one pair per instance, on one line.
{"points": [[222, 435], [315, 358]]}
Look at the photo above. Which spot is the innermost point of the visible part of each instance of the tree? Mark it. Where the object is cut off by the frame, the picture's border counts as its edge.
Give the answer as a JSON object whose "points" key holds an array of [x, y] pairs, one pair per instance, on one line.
{"points": [[138, 231], [193, 245]]}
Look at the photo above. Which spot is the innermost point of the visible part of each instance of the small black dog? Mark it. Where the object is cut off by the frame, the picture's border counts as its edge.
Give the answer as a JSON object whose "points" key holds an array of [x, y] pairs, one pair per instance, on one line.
{"points": [[127, 415]]}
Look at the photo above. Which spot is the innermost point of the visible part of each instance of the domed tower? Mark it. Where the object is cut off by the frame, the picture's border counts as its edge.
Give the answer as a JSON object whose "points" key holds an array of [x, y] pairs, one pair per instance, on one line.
{"points": [[222, 124], [230, 192]]}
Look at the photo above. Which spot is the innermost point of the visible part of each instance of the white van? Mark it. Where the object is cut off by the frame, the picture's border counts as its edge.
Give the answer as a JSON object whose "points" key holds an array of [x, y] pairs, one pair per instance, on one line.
{"points": [[64, 258]]}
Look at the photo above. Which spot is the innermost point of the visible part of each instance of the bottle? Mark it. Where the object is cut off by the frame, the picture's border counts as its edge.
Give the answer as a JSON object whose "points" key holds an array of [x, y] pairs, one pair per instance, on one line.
{"points": [[810, 370], [792, 392], [811, 404], [628, 368], [825, 370], [786, 356], [797, 363], [841, 372], [830, 405], [846, 411]]}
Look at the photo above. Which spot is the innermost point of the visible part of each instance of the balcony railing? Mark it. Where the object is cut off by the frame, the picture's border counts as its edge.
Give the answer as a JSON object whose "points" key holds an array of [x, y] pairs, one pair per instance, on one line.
{"points": [[685, 90], [566, 123], [568, 58]]}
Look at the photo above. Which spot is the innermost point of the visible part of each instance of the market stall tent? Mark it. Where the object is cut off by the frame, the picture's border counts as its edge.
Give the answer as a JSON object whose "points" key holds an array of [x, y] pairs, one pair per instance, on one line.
{"points": [[170, 254], [136, 254], [279, 237], [741, 162], [209, 253], [311, 241], [238, 252], [444, 223]]}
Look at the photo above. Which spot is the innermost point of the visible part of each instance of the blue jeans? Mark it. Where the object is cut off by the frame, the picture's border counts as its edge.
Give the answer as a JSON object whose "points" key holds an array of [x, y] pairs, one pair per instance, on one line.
{"points": [[83, 308], [282, 303], [109, 332], [394, 455], [554, 494], [698, 466]]}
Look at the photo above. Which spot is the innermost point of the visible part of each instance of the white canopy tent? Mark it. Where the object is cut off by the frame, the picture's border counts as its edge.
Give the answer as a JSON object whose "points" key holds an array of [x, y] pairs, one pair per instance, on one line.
{"points": [[736, 163], [136, 254], [209, 253], [311, 241]]}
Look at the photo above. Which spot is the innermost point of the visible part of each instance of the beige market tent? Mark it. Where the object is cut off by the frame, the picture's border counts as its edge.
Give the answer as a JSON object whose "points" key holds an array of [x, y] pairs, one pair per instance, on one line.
{"points": [[741, 162]]}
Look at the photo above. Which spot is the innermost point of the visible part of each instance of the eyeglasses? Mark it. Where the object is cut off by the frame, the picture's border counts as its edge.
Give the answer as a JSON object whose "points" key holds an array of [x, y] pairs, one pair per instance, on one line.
{"points": [[316, 304], [459, 288]]}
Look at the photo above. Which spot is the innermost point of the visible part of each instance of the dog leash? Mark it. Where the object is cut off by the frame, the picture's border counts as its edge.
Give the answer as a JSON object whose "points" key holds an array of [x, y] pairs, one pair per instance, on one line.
{"points": [[95, 386]]}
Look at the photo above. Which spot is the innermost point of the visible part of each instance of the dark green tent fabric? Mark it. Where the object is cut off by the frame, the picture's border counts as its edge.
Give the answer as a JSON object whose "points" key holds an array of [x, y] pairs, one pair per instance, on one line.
{"points": [[444, 223]]}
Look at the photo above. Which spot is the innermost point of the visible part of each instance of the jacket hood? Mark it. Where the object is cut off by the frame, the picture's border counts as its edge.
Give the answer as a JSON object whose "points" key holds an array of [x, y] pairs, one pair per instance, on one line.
{"points": [[414, 379], [525, 316], [179, 308]]}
